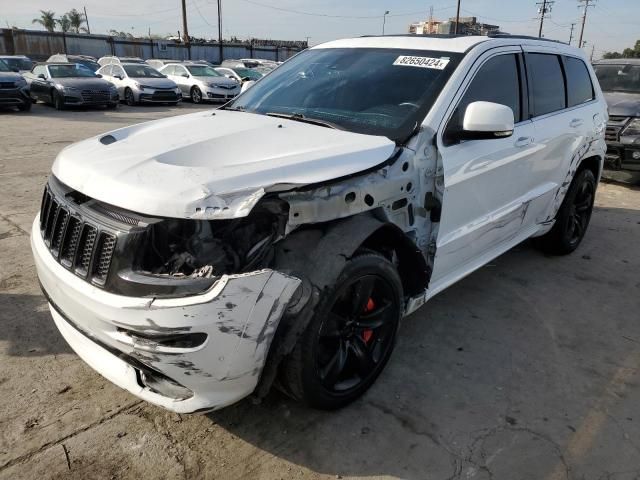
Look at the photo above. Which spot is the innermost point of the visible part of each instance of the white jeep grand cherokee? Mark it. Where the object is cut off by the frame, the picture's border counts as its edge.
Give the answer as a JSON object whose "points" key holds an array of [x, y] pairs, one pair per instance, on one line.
{"points": [[197, 259]]}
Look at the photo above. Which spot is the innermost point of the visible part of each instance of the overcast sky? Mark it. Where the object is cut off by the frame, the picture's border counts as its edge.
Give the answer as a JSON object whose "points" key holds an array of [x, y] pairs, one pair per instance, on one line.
{"points": [[611, 24]]}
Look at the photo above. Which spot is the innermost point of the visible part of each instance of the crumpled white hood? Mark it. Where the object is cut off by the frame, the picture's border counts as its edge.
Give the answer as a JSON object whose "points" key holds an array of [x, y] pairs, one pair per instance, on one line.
{"points": [[214, 164]]}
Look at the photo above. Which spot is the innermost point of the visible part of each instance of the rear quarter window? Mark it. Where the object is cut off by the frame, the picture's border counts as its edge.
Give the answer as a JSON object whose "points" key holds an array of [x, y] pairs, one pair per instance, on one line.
{"points": [[547, 83], [579, 86]]}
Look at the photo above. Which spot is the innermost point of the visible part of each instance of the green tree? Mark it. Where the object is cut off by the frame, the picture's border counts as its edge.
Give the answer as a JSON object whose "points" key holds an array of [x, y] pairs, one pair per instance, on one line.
{"points": [[47, 20], [626, 53], [65, 23], [77, 20]]}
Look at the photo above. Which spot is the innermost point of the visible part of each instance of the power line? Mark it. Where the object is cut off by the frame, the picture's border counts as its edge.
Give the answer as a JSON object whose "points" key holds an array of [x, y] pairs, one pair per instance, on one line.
{"points": [[326, 15], [587, 4]]}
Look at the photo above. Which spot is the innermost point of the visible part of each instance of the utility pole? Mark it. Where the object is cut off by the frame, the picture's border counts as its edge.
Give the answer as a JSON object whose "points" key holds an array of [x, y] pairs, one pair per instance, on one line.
{"points": [[86, 19], [587, 4], [545, 7], [185, 30], [220, 48], [573, 26], [455, 31], [430, 27], [593, 50]]}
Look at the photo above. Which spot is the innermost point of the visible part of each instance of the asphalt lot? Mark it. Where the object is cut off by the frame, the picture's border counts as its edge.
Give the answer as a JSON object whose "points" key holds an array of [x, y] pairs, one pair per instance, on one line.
{"points": [[527, 369]]}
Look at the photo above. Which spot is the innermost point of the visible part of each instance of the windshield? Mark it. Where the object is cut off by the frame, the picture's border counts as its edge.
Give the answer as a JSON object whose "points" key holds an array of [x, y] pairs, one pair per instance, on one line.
{"points": [[4, 67], [619, 78], [375, 91], [203, 71], [248, 73], [142, 71], [70, 70], [19, 63], [90, 64]]}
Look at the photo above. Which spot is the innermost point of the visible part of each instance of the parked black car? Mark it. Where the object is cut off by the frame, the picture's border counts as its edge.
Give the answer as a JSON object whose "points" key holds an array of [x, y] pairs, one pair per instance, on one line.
{"points": [[13, 89], [70, 84], [620, 83]]}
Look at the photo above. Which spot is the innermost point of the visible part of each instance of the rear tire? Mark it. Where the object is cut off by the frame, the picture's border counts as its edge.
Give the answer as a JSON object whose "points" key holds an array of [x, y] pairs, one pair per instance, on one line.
{"points": [[350, 336], [573, 216]]}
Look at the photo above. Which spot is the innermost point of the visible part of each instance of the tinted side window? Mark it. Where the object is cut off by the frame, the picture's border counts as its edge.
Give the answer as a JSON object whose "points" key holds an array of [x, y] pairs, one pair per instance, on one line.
{"points": [[117, 71], [39, 69], [547, 83], [497, 81], [579, 87]]}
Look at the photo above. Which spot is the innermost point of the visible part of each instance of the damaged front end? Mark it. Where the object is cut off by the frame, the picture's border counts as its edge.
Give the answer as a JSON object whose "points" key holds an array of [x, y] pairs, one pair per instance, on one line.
{"points": [[179, 312]]}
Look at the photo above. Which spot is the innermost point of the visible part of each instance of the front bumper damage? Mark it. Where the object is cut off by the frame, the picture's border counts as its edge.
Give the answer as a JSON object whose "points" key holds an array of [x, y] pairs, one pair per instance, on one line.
{"points": [[187, 354]]}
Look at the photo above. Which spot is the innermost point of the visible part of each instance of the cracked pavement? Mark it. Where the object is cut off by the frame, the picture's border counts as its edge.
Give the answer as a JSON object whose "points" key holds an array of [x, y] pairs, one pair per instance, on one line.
{"points": [[526, 369]]}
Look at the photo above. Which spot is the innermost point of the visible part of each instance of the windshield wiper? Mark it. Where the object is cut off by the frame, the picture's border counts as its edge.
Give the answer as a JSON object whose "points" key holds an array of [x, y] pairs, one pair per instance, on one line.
{"points": [[239, 108], [298, 117]]}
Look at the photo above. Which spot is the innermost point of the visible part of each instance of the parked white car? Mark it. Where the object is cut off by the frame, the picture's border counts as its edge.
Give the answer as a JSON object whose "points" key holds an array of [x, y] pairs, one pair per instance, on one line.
{"points": [[140, 83], [110, 60], [240, 74], [201, 82], [194, 259]]}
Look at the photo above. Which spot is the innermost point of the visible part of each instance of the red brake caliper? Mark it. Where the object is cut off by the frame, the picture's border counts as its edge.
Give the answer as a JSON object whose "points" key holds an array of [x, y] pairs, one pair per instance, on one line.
{"points": [[368, 333]]}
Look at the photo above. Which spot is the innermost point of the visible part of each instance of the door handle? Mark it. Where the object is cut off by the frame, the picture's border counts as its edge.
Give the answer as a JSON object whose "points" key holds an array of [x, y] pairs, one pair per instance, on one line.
{"points": [[576, 122], [523, 141]]}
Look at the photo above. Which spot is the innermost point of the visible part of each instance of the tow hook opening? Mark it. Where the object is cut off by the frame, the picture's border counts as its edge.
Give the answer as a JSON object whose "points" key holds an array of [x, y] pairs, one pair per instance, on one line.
{"points": [[161, 384]]}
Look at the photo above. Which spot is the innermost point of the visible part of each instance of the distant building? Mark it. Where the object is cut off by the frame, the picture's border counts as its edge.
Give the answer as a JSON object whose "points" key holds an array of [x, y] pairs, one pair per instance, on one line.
{"points": [[467, 26], [424, 28]]}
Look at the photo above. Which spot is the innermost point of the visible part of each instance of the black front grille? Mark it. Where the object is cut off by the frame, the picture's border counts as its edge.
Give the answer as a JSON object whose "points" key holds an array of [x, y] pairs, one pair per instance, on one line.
{"points": [[95, 96], [168, 95], [76, 243], [7, 85]]}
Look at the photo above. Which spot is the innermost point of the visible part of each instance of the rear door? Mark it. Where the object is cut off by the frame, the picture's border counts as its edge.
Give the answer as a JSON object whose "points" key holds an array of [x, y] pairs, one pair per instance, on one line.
{"points": [[565, 117], [488, 184]]}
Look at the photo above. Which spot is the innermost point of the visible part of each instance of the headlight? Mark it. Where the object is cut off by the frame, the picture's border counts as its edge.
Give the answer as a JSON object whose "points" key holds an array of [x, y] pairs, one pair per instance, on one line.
{"points": [[177, 89], [213, 85], [633, 129], [21, 82]]}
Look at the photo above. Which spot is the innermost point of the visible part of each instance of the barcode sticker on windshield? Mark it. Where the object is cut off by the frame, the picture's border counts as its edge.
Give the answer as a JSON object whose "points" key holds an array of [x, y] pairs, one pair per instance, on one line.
{"points": [[421, 62]]}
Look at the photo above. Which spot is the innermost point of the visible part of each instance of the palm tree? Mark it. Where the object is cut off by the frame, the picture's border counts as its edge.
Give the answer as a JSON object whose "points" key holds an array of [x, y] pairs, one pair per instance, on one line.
{"points": [[77, 19], [47, 20], [65, 23]]}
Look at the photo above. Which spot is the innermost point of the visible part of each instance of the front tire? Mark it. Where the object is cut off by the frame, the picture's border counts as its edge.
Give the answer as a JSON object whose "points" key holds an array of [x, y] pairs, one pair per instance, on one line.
{"points": [[196, 95], [58, 100], [350, 337], [573, 216], [129, 98], [25, 107]]}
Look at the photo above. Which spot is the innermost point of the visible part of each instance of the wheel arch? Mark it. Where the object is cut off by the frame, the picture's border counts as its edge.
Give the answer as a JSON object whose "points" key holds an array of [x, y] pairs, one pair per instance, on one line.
{"points": [[317, 254], [593, 163]]}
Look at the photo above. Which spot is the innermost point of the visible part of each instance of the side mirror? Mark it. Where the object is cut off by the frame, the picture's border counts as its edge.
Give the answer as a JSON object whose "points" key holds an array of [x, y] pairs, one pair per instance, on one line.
{"points": [[119, 77], [15, 70], [42, 76], [245, 79], [487, 120], [99, 75], [246, 86], [185, 75]]}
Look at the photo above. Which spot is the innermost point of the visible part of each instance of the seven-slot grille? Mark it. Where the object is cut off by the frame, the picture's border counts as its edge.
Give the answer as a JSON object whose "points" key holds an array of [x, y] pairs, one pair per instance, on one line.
{"points": [[95, 96], [7, 85], [77, 244], [164, 95], [614, 127]]}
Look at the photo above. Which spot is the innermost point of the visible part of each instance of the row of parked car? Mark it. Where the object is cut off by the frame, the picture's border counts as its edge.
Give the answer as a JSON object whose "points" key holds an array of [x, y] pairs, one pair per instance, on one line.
{"points": [[80, 80]]}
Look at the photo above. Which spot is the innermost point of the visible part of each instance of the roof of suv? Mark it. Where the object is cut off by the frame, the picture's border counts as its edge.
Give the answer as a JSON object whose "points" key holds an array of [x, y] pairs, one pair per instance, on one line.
{"points": [[447, 43]]}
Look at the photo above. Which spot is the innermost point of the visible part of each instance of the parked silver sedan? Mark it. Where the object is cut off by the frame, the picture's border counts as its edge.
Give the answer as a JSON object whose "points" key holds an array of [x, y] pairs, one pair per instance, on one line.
{"points": [[201, 82], [140, 83]]}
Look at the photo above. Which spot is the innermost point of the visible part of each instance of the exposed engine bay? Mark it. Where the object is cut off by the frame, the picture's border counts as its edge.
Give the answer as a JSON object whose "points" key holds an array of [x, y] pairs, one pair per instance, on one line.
{"points": [[203, 248]]}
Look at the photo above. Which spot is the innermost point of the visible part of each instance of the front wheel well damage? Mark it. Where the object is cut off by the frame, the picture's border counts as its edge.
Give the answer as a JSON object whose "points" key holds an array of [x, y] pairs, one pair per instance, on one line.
{"points": [[317, 255], [591, 163]]}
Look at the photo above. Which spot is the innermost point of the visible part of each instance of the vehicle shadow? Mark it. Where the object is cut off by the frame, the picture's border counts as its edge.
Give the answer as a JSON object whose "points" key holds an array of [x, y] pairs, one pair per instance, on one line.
{"points": [[26, 326], [489, 379]]}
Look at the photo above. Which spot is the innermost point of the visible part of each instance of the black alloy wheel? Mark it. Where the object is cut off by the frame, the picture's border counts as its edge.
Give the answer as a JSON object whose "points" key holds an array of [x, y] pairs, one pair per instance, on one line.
{"points": [[573, 217], [351, 336]]}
